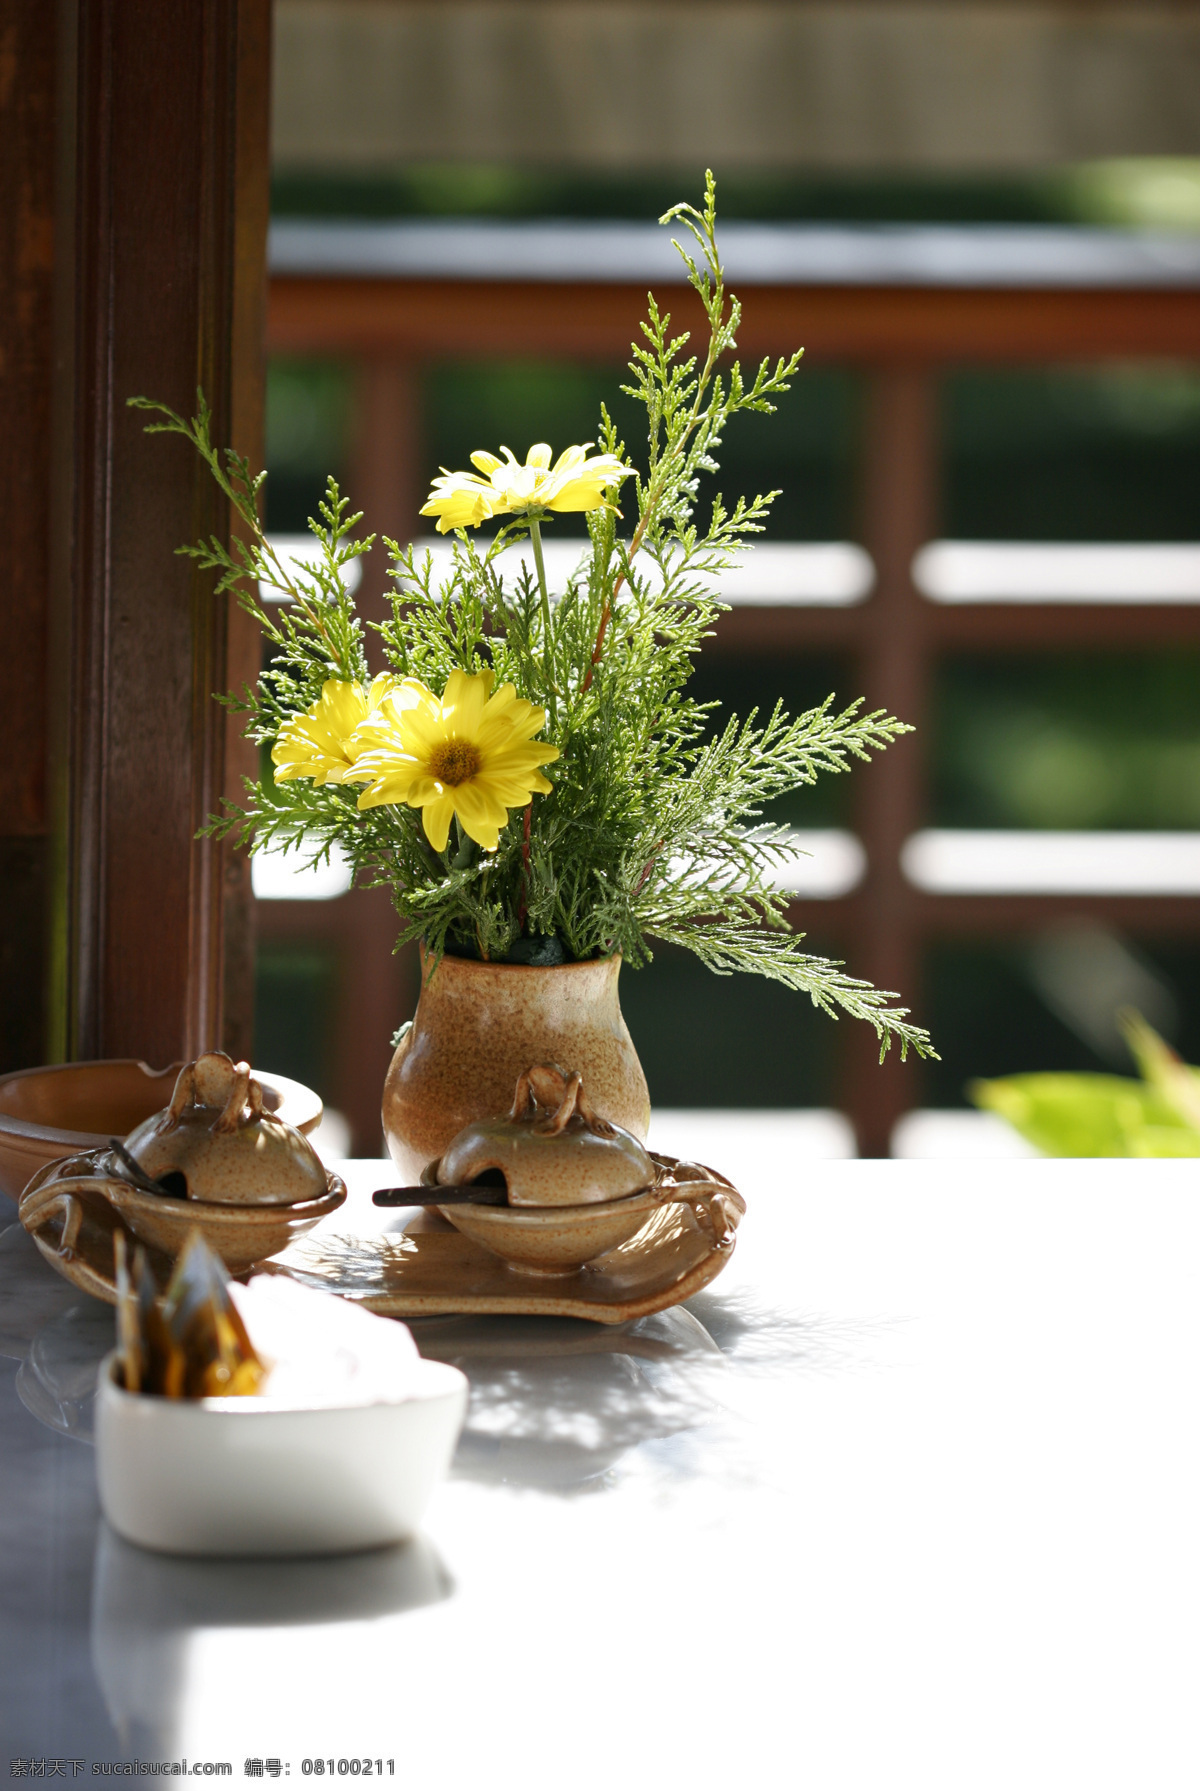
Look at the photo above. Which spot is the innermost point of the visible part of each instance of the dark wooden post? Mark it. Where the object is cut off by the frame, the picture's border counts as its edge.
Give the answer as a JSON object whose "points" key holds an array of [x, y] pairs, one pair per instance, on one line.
{"points": [[385, 472], [899, 512], [160, 277], [27, 81], [378, 990]]}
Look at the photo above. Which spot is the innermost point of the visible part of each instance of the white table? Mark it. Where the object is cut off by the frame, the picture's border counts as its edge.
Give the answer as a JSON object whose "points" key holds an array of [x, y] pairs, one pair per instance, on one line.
{"points": [[909, 1497]]}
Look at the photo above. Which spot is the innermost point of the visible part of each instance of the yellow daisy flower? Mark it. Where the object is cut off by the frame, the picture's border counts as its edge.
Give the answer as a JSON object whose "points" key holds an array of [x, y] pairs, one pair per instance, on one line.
{"points": [[469, 753], [460, 500], [318, 742]]}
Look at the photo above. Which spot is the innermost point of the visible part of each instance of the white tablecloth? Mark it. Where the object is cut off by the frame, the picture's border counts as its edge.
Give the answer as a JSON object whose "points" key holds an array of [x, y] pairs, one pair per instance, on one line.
{"points": [[909, 1497]]}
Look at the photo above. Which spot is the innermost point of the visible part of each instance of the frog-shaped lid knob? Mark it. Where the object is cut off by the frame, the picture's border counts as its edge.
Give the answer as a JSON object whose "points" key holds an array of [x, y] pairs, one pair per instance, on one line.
{"points": [[215, 1142], [552, 1149]]}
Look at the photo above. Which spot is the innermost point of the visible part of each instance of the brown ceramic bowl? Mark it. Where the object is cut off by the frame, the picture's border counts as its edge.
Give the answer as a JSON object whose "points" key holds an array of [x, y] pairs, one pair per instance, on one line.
{"points": [[240, 1235], [550, 1240], [63, 1108]]}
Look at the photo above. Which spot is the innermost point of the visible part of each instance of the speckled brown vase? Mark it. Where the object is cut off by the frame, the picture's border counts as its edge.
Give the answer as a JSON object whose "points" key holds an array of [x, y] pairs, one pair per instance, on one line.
{"points": [[478, 1026]]}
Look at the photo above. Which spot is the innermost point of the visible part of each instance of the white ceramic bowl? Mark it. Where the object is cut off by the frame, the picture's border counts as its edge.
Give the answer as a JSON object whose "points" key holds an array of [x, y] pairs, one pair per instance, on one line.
{"points": [[236, 1477]]}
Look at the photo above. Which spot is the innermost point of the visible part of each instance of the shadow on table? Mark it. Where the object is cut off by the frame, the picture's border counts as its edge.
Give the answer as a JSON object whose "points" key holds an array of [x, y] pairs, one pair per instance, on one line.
{"points": [[57, 1380], [556, 1403], [150, 1612], [57, 1334], [759, 1339]]}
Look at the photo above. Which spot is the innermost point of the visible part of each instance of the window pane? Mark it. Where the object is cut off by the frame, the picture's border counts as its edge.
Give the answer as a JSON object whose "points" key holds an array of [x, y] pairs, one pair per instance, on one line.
{"points": [[1089, 740], [995, 1009], [1072, 454], [308, 418]]}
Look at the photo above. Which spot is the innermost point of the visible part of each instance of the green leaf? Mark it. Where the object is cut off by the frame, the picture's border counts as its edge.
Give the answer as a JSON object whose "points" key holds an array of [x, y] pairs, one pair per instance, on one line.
{"points": [[1084, 1115]]}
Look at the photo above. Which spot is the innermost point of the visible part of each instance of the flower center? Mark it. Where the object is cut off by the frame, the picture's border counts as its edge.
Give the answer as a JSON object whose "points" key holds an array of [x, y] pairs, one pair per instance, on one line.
{"points": [[454, 762]]}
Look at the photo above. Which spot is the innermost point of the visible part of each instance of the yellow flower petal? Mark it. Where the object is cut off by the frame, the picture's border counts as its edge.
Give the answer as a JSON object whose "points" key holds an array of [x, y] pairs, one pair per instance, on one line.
{"points": [[515, 791], [459, 500], [464, 701], [481, 813], [435, 818], [424, 789], [390, 783], [514, 784]]}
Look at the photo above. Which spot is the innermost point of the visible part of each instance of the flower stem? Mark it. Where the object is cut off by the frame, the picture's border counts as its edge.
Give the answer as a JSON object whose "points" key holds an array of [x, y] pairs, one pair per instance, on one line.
{"points": [[535, 535], [523, 905]]}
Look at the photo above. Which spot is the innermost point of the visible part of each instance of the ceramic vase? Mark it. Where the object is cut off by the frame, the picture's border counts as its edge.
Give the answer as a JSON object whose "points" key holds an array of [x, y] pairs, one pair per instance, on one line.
{"points": [[478, 1026]]}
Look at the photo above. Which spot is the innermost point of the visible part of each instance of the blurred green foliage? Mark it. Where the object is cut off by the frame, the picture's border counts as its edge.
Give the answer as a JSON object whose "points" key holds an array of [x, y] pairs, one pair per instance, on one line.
{"points": [[1106, 1116], [309, 413], [1157, 191], [1071, 454], [1070, 739], [1090, 740], [1089, 1116], [981, 1001], [294, 1006]]}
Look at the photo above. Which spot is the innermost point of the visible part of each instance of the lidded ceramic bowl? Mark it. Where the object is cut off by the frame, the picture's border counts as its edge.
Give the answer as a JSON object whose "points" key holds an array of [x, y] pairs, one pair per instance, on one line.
{"points": [[577, 1185], [216, 1142], [212, 1160], [58, 1110]]}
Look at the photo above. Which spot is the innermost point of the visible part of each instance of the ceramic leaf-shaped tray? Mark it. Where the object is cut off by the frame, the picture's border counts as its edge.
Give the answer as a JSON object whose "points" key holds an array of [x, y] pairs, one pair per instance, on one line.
{"points": [[431, 1269]]}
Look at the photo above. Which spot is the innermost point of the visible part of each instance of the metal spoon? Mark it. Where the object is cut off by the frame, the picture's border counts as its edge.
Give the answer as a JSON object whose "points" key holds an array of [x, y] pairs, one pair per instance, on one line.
{"points": [[137, 1175]]}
